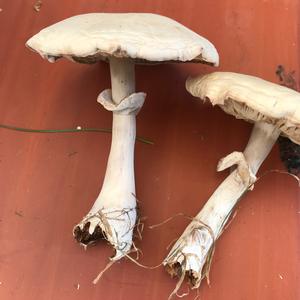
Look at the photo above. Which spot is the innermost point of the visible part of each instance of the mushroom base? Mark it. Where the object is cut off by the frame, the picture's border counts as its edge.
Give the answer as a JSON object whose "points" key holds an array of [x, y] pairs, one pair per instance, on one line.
{"points": [[177, 270], [192, 253], [116, 226]]}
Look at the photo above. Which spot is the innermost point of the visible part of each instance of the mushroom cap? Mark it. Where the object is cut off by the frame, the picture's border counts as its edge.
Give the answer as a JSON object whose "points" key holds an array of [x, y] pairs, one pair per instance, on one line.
{"points": [[252, 99], [142, 37]]}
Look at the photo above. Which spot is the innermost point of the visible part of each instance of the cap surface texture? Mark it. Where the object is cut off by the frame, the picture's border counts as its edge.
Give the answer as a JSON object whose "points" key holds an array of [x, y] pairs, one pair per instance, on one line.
{"points": [[143, 37]]}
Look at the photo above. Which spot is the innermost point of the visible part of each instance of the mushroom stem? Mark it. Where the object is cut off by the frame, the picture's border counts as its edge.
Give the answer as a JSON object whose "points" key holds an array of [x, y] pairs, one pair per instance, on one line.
{"points": [[113, 215], [193, 251], [122, 73], [119, 176]]}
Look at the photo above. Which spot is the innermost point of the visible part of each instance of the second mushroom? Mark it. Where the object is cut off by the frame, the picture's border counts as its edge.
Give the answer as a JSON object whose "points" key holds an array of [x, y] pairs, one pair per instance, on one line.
{"points": [[274, 110]]}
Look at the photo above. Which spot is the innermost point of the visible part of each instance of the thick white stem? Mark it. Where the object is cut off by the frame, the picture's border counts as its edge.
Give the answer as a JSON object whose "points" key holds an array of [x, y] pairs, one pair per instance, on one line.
{"points": [[223, 200], [118, 188], [114, 211], [192, 250]]}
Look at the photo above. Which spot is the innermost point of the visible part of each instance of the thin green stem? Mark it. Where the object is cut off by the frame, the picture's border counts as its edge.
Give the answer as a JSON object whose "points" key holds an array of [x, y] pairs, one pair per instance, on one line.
{"points": [[68, 130]]}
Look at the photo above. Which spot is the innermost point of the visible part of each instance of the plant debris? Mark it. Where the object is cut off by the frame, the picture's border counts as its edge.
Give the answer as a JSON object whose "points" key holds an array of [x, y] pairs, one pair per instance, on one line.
{"points": [[95, 281], [69, 130], [72, 153], [76, 286], [19, 213], [37, 6], [286, 78]]}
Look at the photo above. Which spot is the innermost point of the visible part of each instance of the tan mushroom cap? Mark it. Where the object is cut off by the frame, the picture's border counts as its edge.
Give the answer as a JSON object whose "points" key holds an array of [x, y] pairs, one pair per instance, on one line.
{"points": [[252, 99], [143, 37]]}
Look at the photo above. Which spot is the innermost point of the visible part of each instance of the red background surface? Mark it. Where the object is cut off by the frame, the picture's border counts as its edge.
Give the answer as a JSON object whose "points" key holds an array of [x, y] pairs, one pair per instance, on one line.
{"points": [[49, 181]]}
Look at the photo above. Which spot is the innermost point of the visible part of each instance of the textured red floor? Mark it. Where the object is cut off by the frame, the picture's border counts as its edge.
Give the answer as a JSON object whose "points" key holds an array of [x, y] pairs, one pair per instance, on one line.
{"points": [[48, 182]]}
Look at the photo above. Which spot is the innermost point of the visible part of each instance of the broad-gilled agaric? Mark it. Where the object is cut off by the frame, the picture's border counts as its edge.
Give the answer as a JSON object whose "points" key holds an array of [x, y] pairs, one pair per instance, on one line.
{"points": [[274, 110], [123, 40]]}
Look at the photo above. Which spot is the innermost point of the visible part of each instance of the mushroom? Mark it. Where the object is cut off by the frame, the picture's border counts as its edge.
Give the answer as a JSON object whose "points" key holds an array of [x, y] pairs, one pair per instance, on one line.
{"points": [[274, 110], [122, 40]]}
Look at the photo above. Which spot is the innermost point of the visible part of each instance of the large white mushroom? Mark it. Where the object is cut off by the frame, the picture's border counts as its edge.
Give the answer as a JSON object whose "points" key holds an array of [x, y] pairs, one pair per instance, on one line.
{"points": [[122, 40], [274, 110]]}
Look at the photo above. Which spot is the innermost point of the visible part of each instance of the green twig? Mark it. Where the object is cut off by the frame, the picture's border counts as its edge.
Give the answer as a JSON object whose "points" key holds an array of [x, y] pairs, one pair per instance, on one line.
{"points": [[69, 130]]}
